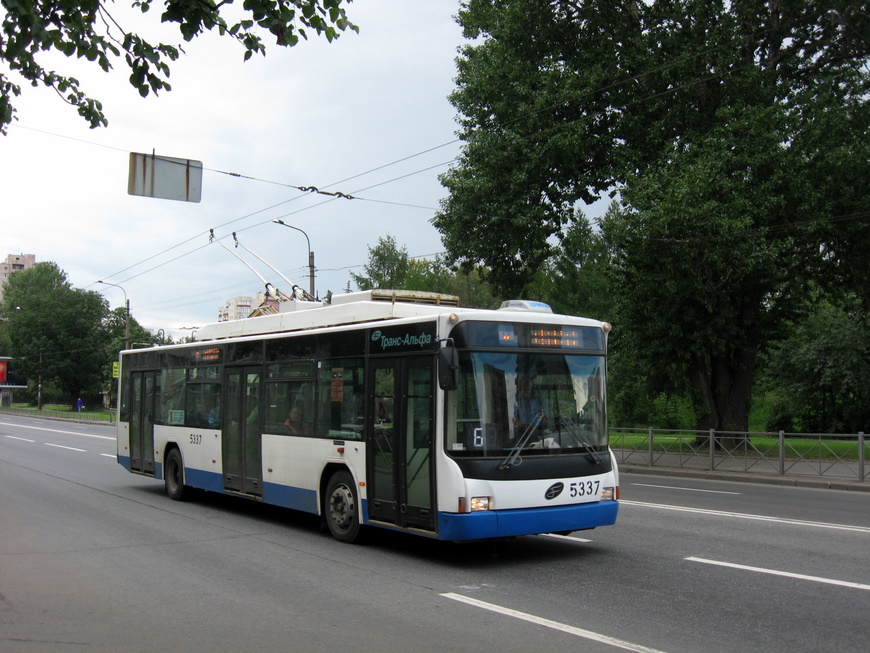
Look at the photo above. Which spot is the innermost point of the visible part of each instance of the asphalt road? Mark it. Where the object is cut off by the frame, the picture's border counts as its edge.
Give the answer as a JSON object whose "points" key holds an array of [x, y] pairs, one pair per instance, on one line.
{"points": [[95, 559]]}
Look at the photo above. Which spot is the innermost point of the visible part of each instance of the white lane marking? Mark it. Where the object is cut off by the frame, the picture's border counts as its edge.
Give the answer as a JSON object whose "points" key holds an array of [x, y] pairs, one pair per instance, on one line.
{"points": [[60, 446], [686, 489], [555, 625], [787, 574], [12, 437], [42, 428], [566, 537], [742, 515], [109, 455]]}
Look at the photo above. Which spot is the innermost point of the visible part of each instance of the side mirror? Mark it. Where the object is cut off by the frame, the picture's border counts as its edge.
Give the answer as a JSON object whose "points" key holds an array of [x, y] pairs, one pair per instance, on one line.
{"points": [[448, 364]]}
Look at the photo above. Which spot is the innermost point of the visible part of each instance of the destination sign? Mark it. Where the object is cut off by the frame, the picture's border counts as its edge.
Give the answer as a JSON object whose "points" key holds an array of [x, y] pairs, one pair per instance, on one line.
{"points": [[207, 355]]}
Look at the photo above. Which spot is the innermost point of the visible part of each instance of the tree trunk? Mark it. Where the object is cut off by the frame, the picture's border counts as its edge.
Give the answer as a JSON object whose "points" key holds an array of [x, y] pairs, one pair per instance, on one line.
{"points": [[722, 386]]}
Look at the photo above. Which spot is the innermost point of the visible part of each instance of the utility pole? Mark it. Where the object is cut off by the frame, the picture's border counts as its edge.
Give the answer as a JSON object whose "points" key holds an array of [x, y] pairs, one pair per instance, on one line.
{"points": [[310, 256], [127, 304]]}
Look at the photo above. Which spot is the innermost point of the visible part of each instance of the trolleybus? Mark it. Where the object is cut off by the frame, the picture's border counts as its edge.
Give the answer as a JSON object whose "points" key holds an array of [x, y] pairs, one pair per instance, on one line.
{"points": [[391, 409]]}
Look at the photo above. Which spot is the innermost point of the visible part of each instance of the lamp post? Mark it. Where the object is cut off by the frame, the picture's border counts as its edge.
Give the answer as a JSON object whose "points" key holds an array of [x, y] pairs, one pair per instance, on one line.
{"points": [[127, 303], [310, 256]]}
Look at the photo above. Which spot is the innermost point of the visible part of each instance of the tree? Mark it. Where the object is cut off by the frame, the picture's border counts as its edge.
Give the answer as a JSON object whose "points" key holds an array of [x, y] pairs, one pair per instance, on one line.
{"points": [[87, 29], [719, 124], [387, 267], [115, 328], [820, 372], [55, 330], [574, 280]]}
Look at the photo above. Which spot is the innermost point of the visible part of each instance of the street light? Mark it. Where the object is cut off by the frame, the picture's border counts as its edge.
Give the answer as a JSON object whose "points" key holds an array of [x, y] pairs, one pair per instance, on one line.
{"points": [[127, 303], [310, 256]]}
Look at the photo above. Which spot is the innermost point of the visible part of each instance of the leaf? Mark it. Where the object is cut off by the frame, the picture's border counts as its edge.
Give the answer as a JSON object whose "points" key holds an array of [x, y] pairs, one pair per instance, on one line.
{"points": [[91, 33]]}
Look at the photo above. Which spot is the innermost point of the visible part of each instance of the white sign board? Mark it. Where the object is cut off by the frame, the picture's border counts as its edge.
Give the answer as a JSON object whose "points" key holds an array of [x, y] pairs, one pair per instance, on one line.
{"points": [[165, 177]]}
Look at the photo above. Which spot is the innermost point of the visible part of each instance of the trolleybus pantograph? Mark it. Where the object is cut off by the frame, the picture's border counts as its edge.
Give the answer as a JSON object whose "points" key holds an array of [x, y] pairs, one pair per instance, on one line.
{"points": [[393, 409]]}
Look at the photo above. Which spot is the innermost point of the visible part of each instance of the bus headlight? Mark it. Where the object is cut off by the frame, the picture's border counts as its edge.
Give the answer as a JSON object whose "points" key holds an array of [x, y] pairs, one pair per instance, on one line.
{"points": [[479, 503], [610, 493]]}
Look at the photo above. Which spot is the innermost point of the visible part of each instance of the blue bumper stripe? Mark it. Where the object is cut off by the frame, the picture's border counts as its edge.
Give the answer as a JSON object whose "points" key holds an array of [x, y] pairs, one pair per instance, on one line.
{"points": [[506, 523], [294, 498], [211, 481]]}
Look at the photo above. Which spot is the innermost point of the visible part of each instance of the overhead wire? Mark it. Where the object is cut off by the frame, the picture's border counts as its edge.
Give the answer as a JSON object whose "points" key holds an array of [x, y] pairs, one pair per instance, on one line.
{"points": [[305, 190], [353, 194]]}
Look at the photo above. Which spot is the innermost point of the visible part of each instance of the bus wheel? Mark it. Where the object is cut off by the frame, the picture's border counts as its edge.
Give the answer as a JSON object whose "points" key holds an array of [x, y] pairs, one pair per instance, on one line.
{"points": [[173, 475], [340, 508]]}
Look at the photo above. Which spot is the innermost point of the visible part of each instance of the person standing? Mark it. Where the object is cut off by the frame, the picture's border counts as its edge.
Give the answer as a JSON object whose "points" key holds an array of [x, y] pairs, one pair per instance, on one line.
{"points": [[79, 404]]}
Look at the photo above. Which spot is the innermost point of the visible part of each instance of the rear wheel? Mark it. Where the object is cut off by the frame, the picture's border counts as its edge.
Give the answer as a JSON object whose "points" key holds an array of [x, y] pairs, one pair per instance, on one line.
{"points": [[173, 475], [340, 507]]}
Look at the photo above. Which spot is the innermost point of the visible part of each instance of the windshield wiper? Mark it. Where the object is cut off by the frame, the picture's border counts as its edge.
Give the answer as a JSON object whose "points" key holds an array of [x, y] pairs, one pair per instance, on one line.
{"points": [[514, 455], [594, 458], [570, 426]]}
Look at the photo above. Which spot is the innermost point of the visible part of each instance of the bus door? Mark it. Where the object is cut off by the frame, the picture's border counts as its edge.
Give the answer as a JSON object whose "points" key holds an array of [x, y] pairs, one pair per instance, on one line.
{"points": [[142, 422], [242, 432], [400, 462]]}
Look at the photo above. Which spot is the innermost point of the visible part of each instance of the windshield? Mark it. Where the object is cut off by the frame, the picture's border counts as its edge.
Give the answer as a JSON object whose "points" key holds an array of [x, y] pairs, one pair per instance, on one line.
{"points": [[509, 403]]}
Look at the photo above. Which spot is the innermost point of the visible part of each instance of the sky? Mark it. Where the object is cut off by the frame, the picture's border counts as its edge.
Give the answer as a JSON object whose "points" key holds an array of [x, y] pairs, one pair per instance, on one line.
{"points": [[329, 115]]}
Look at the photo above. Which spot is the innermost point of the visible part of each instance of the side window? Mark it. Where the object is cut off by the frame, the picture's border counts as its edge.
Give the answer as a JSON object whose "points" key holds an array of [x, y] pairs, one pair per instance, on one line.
{"points": [[341, 398], [203, 405], [290, 407], [171, 396], [290, 396]]}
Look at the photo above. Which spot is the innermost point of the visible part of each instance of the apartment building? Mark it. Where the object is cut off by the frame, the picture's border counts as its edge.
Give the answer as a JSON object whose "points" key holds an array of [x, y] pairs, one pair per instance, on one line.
{"points": [[236, 308], [14, 263]]}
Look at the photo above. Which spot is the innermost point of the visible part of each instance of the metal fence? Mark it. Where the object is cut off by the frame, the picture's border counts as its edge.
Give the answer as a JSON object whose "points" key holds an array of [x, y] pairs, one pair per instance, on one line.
{"points": [[108, 416], [828, 456]]}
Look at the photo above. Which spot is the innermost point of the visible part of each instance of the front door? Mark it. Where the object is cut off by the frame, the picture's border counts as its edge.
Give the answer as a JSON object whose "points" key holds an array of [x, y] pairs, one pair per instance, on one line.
{"points": [[242, 431], [401, 468], [142, 422]]}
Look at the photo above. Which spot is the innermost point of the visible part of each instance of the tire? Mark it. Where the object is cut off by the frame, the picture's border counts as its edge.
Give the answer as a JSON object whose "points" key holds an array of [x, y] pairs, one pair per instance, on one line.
{"points": [[173, 476], [341, 508]]}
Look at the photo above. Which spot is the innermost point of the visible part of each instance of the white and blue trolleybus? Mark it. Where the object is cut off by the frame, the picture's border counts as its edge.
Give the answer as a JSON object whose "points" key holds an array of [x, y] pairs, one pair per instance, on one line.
{"points": [[392, 409]]}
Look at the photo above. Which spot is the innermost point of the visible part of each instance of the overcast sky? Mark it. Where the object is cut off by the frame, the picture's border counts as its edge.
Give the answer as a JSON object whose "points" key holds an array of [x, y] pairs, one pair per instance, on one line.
{"points": [[312, 115]]}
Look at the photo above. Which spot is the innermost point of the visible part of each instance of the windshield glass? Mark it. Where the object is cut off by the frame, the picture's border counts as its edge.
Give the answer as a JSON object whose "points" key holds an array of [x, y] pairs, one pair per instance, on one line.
{"points": [[533, 403]]}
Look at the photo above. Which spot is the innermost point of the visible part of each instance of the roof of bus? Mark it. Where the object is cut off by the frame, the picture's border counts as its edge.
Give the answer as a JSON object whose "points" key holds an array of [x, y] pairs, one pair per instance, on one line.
{"points": [[366, 306]]}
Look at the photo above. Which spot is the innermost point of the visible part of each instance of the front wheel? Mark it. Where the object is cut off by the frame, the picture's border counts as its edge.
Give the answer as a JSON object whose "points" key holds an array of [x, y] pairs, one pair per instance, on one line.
{"points": [[340, 507], [173, 475]]}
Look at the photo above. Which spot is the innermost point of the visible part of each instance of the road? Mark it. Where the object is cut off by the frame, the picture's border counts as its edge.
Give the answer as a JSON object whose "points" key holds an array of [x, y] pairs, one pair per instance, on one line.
{"points": [[95, 559]]}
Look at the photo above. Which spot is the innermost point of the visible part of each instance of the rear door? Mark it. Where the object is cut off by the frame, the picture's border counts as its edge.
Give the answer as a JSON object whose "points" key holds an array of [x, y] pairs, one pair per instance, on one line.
{"points": [[242, 431], [142, 398]]}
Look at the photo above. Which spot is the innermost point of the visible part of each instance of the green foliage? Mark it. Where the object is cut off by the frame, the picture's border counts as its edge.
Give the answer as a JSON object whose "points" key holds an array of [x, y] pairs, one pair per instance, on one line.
{"points": [[390, 268], [473, 289], [820, 374], [387, 267], [5, 343], [86, 29], [574, 281], [719, 124], [55, 331]]}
